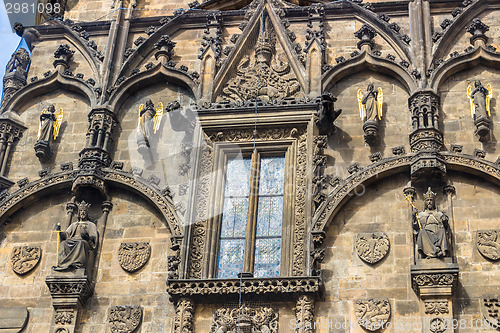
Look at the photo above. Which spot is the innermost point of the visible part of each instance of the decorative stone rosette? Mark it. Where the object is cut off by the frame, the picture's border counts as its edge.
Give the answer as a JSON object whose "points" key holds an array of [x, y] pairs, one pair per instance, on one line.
{"points": [[372, 247], [133, 256], [124, 318], [488, 243], [25, 258], [372, 314]]}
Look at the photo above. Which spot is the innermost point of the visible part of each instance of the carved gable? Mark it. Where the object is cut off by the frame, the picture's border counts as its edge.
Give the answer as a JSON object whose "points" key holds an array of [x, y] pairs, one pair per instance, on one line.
{"points": [[262, 65]]}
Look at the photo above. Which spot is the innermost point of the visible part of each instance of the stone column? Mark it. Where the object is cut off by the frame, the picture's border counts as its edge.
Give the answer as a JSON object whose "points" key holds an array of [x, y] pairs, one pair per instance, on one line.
{"points": [[10, 133], [184, 316]]}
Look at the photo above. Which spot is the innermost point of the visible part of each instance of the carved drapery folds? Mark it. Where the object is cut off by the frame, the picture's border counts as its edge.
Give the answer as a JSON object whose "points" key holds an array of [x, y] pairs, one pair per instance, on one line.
{"points": [[370, 110], [132, 256], [246, 319], [25, 258], [266, 75], [16, 74], [426, 139], [184, 316], [304, 314], [479, 98], [48, 130], [124, 318]]}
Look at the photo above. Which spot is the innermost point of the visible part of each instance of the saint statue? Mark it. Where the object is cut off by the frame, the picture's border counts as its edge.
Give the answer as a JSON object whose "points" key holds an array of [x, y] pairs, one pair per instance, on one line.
{"points": [[370, 111], [48, 129], [148, 123], [432, 229], [479, 98], [78, 243], [19, 62]]}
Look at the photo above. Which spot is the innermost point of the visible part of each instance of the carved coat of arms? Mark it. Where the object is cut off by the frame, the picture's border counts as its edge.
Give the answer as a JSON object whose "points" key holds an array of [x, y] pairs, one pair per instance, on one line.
{"points": [[133, 256], [124, 318], [372, 247], [25, 258], [488, 243], [372, 314], [245, 319], [490, 308]]}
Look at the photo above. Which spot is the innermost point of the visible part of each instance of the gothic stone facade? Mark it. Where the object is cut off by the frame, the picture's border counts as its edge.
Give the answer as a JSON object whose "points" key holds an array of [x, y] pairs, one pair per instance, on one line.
{"points": [[130, 111]]}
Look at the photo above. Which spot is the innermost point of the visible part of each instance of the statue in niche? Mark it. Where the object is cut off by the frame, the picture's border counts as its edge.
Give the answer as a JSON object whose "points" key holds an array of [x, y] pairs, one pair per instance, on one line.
{"points": [[370, 110], [432, 229], [78, 243], [148, 124], [19, 62], [479, 98], [48, 130], [327, 114]]}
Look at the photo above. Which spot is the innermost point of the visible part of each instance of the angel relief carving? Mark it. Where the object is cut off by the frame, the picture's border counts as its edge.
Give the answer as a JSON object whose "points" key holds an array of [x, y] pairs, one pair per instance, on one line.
{"points": [[266, 76], [479, 98], [370, 111], [48, 130]]}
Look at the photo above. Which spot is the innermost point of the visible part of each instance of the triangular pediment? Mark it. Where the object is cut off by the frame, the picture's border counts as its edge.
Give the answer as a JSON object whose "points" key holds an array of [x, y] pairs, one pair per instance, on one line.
{"points": [[262, 64]]}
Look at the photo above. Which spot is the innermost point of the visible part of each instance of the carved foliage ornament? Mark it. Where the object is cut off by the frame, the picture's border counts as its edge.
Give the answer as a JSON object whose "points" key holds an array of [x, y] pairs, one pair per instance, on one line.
{"points": [[436, 307], [133, 256], [488, 243], [372, 247], [64, 317], [372, 314], [184, 316], [245, 319], [124, 319], [25, 258]]}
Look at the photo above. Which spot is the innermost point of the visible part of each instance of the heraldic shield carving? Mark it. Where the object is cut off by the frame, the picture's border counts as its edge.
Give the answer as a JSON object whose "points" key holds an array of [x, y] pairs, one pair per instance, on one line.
{"points": [[372, 314], [488, 243], [490, 308], [133, 256], [372, 247], [25, 258], [124, 318]]}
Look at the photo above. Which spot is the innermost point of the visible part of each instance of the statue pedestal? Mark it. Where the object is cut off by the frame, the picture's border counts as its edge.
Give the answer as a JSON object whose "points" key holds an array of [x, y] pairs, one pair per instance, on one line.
{"points": [[42, 151], [483, 125], [69, 290], [435, 280], [370, 127]]}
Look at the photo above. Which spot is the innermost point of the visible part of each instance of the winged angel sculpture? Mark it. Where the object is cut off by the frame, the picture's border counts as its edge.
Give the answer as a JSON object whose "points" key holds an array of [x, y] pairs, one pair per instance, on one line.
{"points": [[479, 98], [48, 130], [370, 111], [148, 123]]}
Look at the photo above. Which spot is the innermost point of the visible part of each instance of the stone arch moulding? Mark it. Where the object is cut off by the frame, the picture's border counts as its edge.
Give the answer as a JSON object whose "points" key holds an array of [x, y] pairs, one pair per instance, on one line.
{"points": [[11, 202], [53, 82], [390, 166], [480, 56], [456, 28], [159, 73], [366, 61]]}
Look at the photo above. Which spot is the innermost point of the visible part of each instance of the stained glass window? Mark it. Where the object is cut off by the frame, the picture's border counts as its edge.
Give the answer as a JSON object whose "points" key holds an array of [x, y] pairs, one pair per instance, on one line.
{"points": [[235, 219]]}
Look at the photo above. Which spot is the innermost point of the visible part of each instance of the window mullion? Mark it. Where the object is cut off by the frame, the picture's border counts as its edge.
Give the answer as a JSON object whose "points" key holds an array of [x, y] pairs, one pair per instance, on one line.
{"points": [[252, 215]]}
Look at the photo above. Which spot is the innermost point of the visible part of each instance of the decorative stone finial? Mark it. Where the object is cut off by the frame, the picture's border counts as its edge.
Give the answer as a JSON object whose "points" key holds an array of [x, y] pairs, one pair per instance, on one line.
{"points": [[165, 48], [63, 56], [366, 35], [477, 30]]}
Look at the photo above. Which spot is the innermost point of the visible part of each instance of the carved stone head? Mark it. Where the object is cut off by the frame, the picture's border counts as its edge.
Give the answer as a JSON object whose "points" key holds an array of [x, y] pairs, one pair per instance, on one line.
{"points": [[370, 87], [430, 199], [51, 108], [83, 211]]}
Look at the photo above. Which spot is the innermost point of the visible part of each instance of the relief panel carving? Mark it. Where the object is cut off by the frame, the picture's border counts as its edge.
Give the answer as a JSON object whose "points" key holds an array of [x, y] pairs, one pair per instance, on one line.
{"points": [[25, 258], [490, 308], [372, 247], [133, 256], [372, 314], [488, 243], [124, 318], [245, 319], [436, 307]]}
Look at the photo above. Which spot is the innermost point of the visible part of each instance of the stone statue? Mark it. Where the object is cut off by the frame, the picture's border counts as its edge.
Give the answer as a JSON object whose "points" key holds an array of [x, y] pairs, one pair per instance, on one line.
{"points": [[78, 243], [148, 123], [370, 110], [19, 62], [48, 130], [479, 99], [326, 114], [432, 229]]}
